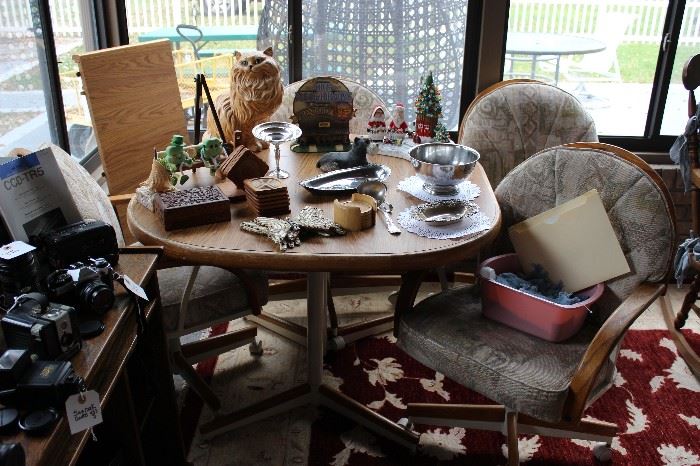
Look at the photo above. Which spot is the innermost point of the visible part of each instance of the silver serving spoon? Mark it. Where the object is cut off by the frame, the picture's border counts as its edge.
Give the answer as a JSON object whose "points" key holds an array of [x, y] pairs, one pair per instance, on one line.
{"points": [[377, 190]]}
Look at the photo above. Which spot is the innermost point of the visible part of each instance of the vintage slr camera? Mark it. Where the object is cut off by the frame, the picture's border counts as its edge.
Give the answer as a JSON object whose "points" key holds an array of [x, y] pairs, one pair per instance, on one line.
{"points": [[75, 242], [39, 384], [89, 286], [49, 330]]}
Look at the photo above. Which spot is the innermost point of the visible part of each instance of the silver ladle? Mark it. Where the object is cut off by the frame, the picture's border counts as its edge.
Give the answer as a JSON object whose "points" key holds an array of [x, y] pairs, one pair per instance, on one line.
{"points": [[377, 190]]}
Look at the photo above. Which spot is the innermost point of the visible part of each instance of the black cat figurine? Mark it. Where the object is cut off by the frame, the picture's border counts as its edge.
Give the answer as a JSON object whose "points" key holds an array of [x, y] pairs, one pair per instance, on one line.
{"points": [[355, 157]]}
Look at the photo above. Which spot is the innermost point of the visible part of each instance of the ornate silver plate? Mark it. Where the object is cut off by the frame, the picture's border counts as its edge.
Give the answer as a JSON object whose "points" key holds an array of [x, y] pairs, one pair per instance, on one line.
{"points": [[345, 180], [443, 212]]}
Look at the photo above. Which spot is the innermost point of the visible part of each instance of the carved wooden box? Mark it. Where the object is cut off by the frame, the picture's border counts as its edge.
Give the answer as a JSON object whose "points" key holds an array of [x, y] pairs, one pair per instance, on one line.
{"points": [[192, 207]]}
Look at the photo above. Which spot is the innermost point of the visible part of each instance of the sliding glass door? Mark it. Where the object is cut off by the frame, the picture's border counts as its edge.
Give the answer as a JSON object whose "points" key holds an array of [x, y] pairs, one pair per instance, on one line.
{"points": [[620, 58]]}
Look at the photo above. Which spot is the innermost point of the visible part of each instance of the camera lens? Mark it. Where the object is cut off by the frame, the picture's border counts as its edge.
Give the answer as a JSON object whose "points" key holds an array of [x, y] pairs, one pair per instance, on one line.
{"points": [[96, 296], [17, 276]]}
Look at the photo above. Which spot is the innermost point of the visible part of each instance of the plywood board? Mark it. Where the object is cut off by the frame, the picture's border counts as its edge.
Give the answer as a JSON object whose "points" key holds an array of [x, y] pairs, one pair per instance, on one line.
{"points": [[134, 105], [574, 242]]}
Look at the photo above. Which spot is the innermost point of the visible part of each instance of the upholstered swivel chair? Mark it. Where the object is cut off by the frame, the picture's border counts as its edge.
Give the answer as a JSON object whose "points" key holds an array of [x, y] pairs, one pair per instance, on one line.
{"points": [[511, 120], [544, 387], [127, 127]]}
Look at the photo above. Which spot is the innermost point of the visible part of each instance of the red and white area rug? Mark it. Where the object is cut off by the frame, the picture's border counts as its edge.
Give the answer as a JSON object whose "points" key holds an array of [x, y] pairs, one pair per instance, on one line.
{"points": [[655, 401]]}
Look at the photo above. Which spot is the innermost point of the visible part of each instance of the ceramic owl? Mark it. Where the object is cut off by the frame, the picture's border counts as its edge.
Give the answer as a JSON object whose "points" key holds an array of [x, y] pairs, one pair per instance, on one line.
{"points": [[255, 93]]}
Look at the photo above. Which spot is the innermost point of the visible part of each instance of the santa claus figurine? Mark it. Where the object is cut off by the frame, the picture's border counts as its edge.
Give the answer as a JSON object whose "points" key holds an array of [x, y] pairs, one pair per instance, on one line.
{"points": [[397, 125], [376, 127]]}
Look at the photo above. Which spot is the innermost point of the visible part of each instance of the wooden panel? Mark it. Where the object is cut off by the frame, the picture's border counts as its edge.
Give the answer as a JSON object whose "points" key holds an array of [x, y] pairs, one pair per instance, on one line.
{"points": [[134, 105], [374, 249]]}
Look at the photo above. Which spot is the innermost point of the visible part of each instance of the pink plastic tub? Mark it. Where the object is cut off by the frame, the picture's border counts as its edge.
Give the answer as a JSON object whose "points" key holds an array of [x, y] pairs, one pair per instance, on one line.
{"points": [[530, 314]]}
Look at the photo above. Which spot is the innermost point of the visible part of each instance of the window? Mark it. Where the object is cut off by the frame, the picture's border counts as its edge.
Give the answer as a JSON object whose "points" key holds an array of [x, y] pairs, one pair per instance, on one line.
{"points": [[39, 89], [615, 56]]}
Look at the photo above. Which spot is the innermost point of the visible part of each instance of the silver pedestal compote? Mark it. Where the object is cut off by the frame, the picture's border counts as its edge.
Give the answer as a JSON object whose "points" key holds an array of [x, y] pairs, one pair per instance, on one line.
{"points": [[276, 133]]}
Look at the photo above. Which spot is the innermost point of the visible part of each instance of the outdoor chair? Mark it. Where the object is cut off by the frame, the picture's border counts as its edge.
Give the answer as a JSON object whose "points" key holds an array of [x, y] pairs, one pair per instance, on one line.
{"points": [[544, 387], [195, 39], [675, 323], [127, 127], [602, 66], [511, 120]]}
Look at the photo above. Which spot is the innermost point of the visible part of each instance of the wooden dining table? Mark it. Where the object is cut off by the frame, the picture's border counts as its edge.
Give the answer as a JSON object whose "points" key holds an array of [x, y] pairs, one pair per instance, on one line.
{"points": [[368, 251]]}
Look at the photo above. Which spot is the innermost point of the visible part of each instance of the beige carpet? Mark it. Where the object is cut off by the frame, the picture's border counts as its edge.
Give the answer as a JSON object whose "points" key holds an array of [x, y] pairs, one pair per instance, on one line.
{"points": [[241, 379]]}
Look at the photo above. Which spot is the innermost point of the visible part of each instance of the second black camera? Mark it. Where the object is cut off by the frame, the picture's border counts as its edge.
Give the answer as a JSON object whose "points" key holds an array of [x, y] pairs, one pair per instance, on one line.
{"points": [[87, 286]]}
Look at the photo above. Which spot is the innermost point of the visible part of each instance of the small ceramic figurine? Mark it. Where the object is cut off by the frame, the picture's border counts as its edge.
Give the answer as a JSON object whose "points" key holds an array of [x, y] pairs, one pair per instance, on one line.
{"points": [[376, 126], [397, 125], [209, 151], [175, 158], [356, 156]]}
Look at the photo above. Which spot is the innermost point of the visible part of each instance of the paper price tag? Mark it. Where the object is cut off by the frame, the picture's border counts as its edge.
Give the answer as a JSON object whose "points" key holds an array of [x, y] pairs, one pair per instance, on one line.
{"points": [[83, 411], [15, 249], [134, 287]]}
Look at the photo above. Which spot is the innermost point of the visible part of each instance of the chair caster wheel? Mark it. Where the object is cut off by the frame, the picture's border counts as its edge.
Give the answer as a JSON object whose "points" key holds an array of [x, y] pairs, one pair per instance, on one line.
{"points": [[256, 348], [602, 452], [405, 423], [336, 343]]}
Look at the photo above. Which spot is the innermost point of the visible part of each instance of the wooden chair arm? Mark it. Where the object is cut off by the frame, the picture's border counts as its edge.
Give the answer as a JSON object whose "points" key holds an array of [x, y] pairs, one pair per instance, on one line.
{"points": [[120, 199], [607, 338]]}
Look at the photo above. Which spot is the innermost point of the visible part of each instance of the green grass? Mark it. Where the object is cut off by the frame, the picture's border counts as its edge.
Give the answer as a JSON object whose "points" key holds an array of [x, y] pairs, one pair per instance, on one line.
{"points": [[638, 62]]}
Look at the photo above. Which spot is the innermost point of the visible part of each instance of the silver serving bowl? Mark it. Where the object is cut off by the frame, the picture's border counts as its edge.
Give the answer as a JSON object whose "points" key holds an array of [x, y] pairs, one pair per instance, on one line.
{"points": [[442, 166]]}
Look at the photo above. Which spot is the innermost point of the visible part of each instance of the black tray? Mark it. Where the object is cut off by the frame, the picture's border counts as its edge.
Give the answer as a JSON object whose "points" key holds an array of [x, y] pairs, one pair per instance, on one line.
{"points": [[346, 180]]}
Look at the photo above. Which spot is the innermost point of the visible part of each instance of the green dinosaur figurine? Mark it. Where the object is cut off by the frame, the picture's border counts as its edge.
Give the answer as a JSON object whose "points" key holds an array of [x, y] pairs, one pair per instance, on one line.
{"points": [[175, 159], [209, 151]]}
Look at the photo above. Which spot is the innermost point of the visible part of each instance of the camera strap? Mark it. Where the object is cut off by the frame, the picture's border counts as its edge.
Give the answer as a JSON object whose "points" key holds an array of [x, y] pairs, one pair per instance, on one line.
{"points": [[138, 294]]}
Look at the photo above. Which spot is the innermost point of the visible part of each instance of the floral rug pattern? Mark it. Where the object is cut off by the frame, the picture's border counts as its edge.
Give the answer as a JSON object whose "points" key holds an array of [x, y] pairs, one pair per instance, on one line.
{"points": [[655, 401]]}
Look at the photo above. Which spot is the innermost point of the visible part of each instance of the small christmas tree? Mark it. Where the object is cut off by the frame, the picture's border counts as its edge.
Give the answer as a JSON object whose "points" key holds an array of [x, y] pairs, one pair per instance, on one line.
{"points": [[441, 133], [428, 100], [428, 108]]}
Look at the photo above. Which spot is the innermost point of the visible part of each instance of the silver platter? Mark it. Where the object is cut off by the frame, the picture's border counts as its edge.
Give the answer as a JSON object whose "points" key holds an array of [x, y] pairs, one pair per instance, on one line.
{"points": [[346, 180], [443, 212]]}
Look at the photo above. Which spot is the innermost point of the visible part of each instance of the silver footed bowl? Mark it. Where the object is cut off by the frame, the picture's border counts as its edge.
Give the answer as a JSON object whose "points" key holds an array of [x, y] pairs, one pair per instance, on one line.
{"points": [[276, 132], [442, 166]]}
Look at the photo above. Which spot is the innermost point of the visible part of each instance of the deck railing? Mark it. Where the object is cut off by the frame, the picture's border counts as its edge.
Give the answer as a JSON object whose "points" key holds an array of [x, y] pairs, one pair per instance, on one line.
{"points": [[554, 16]]}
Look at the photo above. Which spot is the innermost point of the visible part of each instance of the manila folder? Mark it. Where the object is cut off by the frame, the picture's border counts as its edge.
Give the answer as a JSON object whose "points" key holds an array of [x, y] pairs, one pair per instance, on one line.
{"points": [[574, 242]]}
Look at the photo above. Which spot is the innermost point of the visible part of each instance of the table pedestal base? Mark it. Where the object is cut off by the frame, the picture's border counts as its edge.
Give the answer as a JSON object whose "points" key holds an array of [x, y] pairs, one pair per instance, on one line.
{"points": [[314, 392]]}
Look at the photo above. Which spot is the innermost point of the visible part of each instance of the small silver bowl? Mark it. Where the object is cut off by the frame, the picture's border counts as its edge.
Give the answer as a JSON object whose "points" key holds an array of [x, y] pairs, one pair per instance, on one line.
{"points": [[445, 212], [442, 166]]}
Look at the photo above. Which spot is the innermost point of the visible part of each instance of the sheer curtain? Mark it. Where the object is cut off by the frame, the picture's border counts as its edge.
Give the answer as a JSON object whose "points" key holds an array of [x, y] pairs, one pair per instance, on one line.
{"points": [[387, 45]]}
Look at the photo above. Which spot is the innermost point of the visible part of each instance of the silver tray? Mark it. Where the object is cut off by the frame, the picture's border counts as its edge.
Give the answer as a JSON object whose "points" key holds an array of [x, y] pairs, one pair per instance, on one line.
{"points": [[346, 180]]}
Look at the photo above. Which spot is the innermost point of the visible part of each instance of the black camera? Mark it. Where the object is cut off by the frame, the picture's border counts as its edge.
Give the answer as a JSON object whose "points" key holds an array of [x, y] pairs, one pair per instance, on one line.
{"points": [[89, 286], [18, 275], [47, 329], [28, 384], [75, 242]]}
